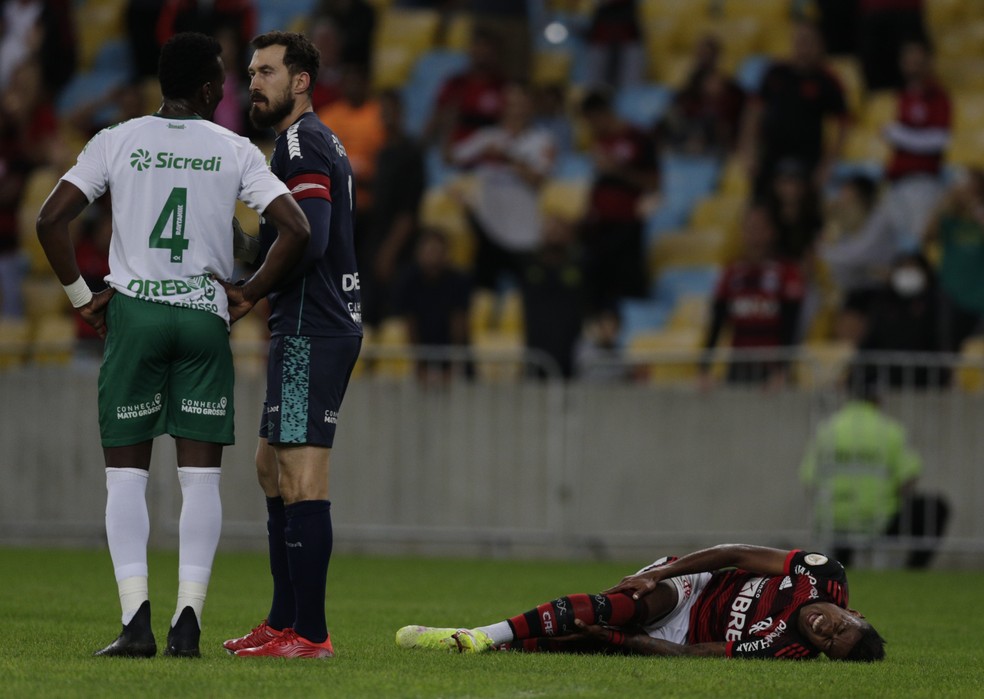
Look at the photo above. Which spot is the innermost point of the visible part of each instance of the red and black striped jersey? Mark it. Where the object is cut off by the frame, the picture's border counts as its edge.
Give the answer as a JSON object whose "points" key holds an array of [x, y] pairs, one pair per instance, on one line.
{"points": [[756, 614]]}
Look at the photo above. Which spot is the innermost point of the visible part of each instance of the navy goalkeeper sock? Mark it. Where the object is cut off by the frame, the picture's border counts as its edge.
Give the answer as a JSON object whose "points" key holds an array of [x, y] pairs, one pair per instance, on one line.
{"points": [[309, 541], [282, 608]]}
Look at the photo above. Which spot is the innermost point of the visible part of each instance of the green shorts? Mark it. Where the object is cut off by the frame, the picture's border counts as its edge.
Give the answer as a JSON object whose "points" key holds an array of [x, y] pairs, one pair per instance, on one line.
{"points": [[165, 370]]}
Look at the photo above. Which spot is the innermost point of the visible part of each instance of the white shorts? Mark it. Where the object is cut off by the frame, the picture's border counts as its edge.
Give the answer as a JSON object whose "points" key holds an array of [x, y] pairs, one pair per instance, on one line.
{"points": [[674, 626]]}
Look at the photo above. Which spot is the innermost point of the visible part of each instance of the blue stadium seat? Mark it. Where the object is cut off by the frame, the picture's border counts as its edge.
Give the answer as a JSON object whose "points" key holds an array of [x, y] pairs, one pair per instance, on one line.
{"points": [[685, 281], [280, 14], [438, 171], [113, 56], [641, 315], [686, 179], [573, 166], [85, 87], [751, 71], [420, 92], [643, 105]]}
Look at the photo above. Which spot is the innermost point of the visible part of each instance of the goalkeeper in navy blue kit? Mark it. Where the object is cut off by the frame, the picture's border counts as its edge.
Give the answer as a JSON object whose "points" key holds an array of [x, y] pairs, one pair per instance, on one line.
{"points": [[316, 333]]}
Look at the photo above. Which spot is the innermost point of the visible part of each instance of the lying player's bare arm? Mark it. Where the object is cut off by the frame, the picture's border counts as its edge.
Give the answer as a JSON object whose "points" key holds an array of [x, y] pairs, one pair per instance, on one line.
{"points": [[755, 559]]}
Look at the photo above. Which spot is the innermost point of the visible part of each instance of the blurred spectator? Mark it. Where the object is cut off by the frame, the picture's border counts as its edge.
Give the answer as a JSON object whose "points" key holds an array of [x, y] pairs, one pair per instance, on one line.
{"points": [[918, 137], [326, 37], [864, 474], [759, 298], [119, 104], [553, 286], [550, 108], [958, 227], [598, 354], [626, 177], [205, 16], [471, 99], [510, 161], [855, 253], [434, 298], [616, 56], [883, 27], [31, 30], [786, 118], [356, 22], [794, 206], [357, 120], [509, 20], [232, 111], [905, 318], [92, 238], [141, 32], [838, 23], [705, 115], [385, 249]]}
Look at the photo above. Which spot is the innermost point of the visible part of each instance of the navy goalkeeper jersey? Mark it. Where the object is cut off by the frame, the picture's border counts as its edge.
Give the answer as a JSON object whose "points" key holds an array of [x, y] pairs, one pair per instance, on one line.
{"points": [[322, 298]]}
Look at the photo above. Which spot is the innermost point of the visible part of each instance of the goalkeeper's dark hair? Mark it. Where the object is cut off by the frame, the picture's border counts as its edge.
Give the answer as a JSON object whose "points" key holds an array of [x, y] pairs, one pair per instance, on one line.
{"points": [[188, 61], [300, 55], [869, 648]]}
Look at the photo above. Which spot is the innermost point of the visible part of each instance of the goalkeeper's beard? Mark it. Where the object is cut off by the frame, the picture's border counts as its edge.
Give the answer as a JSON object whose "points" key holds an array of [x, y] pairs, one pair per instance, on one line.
{"points": [[276, 113]]}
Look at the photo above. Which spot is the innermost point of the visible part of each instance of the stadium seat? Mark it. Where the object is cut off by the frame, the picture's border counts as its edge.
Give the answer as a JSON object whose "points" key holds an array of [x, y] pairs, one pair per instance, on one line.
{"points": [[688, 178], [573, 166], [54, 339], [690, 312], [458, 32], [963, 73], [686, 10], [14, 341], [420, 93], [865, 146], [642, 316], [751, 70], [719, 210], [43, 296], [968, 110], [37, 188], [248, 339], [497, 343], [440, 209], [663, 38], [103, 24], [482, 312], [677, 282], [673, 354], [566, 199], [766, 10], [643, 105], [511, 318], [848, 71], [970, 376], [942, 15], [734, 178], [879, 109], [551, 68], [671, 69], [699, 247], [392, 334], [84, 87]]}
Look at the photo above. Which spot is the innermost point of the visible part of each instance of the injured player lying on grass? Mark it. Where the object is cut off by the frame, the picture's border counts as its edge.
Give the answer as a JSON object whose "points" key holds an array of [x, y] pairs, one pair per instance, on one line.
{"points": [[731, 600]]}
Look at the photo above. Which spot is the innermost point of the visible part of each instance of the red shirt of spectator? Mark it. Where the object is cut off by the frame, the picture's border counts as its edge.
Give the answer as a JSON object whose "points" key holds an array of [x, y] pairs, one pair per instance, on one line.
{"points": [[921, 130], [754, 294], [615, 198]]}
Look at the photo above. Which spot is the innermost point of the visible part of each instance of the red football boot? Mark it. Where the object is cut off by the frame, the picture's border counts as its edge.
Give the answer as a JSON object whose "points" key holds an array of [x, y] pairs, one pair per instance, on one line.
{"points": [[260, 634], [290, 645]]}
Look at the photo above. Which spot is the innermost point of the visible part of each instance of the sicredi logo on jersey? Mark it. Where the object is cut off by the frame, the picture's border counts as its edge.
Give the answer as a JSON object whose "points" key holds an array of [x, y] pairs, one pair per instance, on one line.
{"points": [[141, 160]]}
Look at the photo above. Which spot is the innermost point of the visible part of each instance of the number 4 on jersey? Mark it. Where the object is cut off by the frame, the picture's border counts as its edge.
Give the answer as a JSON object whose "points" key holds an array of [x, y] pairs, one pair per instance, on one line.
{"points": [[174, 211]]}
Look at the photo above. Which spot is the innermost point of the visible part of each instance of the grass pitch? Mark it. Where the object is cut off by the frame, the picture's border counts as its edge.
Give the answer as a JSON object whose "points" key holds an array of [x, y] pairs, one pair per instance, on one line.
{"points": [[59, 606]]}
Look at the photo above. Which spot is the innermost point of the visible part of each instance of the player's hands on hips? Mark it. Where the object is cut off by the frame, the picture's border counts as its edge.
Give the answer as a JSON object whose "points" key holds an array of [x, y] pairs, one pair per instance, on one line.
{"points": [[239, 305], [636, 585], [94, 312]]}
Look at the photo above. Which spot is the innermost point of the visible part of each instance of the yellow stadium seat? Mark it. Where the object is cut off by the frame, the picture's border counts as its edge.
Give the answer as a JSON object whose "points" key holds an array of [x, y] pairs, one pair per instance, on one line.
{"points": [[690, 313], [761, 9], [458, 32], [688, 10], [967, 148], [734, 179], [43, 296], [699, 247], [511, 319], [968, 110], [865, 145], [670, 356], [879, 109], [565, 199], [823, 363], [483, 312], [14, 341], [37, 188], [970, 376], [442, 209], [551, 67], [739, 36], [719, 210], [775, 38], [942, 15], [498, 343], [392, 66], [672, 69], [962, 73], [54, 339], [392, 335], [103, 22], [663, 36], [848, 71], [965, 40]]}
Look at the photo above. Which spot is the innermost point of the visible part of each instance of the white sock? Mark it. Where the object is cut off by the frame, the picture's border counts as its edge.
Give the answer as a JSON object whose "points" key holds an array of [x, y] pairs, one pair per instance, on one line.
{"points": [[127, 531], [198, 531], [499, 633]]}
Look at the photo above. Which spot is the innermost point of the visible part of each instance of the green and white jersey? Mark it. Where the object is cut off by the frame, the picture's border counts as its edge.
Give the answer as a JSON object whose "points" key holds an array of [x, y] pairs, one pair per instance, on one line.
{"points": [[174, 184]]}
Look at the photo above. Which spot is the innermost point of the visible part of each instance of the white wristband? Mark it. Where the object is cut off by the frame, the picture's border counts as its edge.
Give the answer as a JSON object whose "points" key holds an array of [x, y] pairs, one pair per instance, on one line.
{"points": [[78, 292]]}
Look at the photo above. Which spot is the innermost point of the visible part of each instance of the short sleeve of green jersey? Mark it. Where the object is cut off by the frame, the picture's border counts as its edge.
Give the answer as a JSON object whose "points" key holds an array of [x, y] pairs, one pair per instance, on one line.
{"points": [[91, 172], [259, 186]]}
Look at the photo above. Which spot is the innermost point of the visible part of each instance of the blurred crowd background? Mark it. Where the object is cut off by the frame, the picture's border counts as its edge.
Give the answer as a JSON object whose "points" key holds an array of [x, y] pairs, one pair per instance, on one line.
{"points": [[585, 178]]}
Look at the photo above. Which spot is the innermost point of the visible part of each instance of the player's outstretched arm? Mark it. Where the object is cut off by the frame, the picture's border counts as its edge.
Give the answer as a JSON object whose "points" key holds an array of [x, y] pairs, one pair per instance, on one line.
{"points": [[643, 644], [293, 233], [755, 559]]}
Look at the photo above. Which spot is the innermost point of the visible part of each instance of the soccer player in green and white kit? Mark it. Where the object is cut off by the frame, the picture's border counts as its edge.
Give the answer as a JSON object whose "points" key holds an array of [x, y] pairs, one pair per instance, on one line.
{"points": [[167, 368]]}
